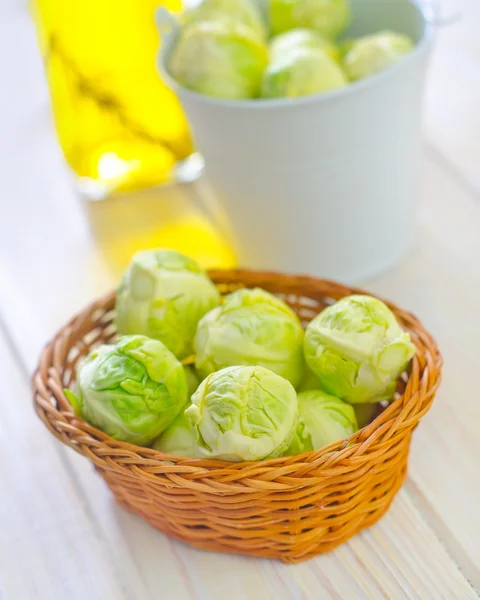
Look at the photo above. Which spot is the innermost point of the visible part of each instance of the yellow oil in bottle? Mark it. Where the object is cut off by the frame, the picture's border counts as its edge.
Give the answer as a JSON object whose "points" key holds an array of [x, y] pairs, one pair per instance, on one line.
{"points": [[121, 128], [117, 123]]}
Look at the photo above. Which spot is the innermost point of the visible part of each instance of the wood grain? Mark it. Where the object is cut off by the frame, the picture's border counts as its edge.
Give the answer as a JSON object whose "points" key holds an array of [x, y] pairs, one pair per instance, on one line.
{"points": [[440, 282], [49, 544]]}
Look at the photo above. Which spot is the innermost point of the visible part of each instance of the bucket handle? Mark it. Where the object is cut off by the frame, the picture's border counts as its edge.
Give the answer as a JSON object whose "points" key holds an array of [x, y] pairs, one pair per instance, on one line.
{"points": [[167, 25], [433, 12], [191, 168]]}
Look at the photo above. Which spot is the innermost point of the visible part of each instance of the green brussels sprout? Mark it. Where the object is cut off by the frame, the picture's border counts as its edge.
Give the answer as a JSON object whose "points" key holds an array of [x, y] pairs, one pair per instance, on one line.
{"points": [[252, 327], [244, 12], [131, 390], [302, 73], [244, 413], [374, 53], [298, 39], [163, 295], [311, 382], [193, 380], [328, 17], [179, 439], [219, 59], [322, 420], [357, 349]]}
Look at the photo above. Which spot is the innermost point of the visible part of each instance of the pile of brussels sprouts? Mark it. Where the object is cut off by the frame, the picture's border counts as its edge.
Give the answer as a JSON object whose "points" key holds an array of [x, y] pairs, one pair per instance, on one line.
{"points": [[229, 49], [237, 378]]}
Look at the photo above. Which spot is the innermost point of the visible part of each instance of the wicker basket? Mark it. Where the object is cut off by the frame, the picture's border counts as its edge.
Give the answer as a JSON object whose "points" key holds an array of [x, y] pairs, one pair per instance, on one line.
{"points": [[288, 508]]}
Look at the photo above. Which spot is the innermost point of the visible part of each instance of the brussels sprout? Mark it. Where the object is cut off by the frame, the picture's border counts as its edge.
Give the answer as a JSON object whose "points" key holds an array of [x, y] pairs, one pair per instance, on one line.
{"points": [[374, 53], [311, 382], [131, 390], [193, 380], [164, 294], [179, 439], [302, 73], [252, 327], [328, 17], [357, 349], [286, 43], [322, 420], [219, 59], [244, 413], [244, 12]]}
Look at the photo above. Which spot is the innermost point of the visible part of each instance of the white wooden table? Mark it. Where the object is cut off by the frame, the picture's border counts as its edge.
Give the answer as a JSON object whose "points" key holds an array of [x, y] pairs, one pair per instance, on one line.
{"points": [[61, 535]]}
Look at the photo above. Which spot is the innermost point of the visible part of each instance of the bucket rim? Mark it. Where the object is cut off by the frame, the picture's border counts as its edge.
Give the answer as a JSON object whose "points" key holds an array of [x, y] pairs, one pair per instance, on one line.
{"points": [[422, 47]]}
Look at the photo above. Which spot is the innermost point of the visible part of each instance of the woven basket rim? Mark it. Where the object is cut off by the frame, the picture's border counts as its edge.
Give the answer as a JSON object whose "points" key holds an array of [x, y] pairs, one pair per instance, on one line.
{"points": [[398, 415]]}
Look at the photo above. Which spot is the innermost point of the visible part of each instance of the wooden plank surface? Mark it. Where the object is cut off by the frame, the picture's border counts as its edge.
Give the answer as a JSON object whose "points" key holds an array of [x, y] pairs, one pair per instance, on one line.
{"points": [[62, 535], [49, 544], [440, 283]]}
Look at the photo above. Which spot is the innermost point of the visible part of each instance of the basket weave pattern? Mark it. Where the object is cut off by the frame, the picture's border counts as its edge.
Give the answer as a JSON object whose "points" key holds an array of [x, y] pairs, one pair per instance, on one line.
{"points": [[289, 508]]}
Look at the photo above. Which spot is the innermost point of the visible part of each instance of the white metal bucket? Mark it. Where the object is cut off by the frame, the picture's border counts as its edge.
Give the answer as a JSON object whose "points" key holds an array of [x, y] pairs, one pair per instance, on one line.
{"points": [[324, 184]]}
